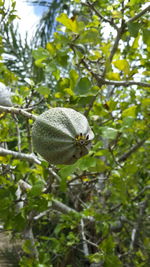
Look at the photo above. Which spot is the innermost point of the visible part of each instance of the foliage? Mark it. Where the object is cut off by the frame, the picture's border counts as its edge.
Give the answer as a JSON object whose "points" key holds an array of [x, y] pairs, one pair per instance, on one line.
{"points": [[97, 210]]}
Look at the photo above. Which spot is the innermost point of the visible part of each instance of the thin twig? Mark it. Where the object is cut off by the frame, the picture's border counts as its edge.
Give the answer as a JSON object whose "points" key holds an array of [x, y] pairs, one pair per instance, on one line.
{"points": [[92, 7]]}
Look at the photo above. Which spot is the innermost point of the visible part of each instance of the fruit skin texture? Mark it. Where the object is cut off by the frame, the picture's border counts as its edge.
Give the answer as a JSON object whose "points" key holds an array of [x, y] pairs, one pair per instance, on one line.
{"points": [[61, 135]]}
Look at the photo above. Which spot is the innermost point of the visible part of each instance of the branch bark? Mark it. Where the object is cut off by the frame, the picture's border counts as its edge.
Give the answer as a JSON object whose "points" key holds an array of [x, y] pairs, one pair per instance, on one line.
{"points": [[85, 245], [18, 111], [115, 46], [17, 155], [126, 83], [101, 81], [126, 155], [140, 14]]}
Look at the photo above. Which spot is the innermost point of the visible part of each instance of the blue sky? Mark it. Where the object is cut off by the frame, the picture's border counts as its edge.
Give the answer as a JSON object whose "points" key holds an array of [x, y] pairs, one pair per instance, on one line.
{"points": [[29, 17]]}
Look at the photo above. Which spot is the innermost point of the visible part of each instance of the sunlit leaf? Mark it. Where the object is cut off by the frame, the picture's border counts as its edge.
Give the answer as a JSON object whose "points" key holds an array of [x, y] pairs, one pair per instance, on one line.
{"points": [[109, 133], [70, 24], [130, 112], [122, 65]]}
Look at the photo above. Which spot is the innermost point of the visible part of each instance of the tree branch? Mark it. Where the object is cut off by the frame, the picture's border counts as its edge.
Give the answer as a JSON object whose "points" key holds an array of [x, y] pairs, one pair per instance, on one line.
{"points": [[126, 155], [18, 155], [125, 83], [101, 81], [147, 187], [110, 21], [18, 111], [85, 245], [138, 224], [114, 48], [140, 14]]}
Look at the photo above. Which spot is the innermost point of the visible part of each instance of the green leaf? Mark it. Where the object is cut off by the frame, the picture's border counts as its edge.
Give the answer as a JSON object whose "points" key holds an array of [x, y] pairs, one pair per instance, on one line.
{"points": [[133, 28], [130, 112], [36, 189], [83, 86], [62, 59], [109, 133], [70, 24], [146, 36], [40, 53], [43, 90], [90, 36], [146, 102], [67, 170], [73, 78], [39, 62], [136, 42], [122, 65], [51, 48], [113, 76]]}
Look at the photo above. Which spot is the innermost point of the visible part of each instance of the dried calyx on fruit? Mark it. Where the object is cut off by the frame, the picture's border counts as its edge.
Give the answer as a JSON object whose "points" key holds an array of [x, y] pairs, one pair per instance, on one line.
{"points": [[62, 135]]}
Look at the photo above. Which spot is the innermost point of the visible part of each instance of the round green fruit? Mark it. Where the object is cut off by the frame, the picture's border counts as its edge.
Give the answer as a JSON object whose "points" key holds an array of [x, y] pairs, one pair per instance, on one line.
{"points": [[61, 135]]}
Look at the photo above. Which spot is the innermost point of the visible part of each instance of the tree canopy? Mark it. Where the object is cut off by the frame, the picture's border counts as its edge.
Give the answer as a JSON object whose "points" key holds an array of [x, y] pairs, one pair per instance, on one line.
{"points": [[95, 60]]}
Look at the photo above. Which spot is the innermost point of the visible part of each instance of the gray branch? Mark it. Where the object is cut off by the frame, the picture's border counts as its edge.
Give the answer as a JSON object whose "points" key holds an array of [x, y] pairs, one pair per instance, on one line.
{"points": [[126, 155], [115, 46], [17, 155], [125, 83], [85, 245], [101, 81], [140, 14], [18, 111]]}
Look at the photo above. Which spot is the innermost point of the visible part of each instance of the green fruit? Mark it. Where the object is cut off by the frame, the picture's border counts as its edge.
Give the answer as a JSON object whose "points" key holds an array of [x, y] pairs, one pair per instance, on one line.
{"points": [[61, 135]]}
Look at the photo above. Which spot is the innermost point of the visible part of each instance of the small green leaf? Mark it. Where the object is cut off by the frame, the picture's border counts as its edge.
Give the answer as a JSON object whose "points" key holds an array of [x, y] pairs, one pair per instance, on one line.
{"points": [[113, 76], [62, 60], [146, 36], [129, 112], [122, 65], [43, 90], [40, 62], [40, 53], [109, 133], [70, 24], [83, 86], [133, 28], [67, 170], [90, 36], [37, 189], [51, 48], [146, 102], [73, 78]]}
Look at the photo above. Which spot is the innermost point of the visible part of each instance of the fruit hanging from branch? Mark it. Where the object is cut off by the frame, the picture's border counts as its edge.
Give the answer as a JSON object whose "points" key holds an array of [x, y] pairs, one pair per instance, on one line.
{"points": [[62, 135]]}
